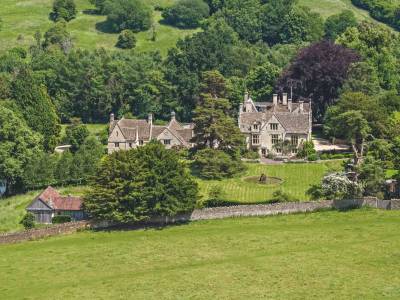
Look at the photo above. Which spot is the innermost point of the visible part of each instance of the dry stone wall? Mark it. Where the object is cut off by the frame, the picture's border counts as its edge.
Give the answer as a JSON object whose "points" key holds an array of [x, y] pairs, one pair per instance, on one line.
{"points": [[33, 234], [209, 214]]}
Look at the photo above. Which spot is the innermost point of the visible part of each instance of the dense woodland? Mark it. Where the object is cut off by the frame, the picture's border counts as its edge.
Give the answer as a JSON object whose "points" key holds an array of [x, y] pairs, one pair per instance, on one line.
{"points": [[348, 68]]}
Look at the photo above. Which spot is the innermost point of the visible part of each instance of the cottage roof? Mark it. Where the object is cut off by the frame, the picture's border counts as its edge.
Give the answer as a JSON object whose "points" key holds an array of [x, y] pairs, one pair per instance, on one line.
{"points": [[52, 198]]}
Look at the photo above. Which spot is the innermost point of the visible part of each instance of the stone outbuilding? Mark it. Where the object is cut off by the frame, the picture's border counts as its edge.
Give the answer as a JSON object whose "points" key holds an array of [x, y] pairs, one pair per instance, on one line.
{"points": [[50, 203]]}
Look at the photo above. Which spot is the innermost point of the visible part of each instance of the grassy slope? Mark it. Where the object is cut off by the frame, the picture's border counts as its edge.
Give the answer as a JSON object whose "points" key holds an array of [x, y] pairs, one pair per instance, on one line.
{"points": [[297, 178], [25, 17], [329, 255], [330, 7], [12, 209]]}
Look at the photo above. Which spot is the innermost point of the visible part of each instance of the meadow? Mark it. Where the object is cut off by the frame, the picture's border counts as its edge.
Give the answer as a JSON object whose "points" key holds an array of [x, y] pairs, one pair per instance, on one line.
{"points": [[22, 18], [325, 255]]}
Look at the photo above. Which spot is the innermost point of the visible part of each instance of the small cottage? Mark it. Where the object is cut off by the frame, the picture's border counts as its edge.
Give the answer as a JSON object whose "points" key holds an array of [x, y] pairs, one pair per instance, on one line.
{"points": [[50, 203]]}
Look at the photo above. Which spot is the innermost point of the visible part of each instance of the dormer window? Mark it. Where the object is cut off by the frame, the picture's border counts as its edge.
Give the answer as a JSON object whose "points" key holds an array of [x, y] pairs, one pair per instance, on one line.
{"points": [[273, 126], [255, 126]]}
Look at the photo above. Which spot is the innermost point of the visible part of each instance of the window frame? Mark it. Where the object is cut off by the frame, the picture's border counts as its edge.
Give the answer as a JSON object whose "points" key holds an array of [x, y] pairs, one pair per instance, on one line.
{"points": [[255, 139]]}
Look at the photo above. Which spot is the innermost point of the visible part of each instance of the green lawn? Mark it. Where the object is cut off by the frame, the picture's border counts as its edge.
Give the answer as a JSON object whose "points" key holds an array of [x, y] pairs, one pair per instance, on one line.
{"points": [[13, 208], [325, 255], [297, 178], [22, 18]]}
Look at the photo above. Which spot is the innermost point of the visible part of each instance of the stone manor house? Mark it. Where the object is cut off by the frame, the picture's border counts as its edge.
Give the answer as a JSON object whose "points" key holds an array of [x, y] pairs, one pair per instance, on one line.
{"points": [[267, 125], [126, 134]]}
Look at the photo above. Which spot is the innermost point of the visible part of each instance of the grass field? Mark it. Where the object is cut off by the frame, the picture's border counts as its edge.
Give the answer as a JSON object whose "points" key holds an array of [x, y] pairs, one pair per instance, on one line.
{"points": [[22, 18], [297, 178], [325, 255], [13, 208]]}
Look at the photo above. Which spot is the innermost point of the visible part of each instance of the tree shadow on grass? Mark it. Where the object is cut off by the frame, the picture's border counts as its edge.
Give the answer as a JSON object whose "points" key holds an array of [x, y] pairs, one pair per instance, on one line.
{"points": [[139, 226], [94, 12], [105, 27]]}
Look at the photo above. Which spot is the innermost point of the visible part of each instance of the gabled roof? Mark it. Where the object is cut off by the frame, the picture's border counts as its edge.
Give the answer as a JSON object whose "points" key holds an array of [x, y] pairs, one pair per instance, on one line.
{"points": [[52, 198], [142, 130], [293, 121]]}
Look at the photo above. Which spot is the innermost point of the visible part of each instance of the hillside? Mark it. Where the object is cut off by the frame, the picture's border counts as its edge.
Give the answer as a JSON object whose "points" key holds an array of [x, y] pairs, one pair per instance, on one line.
{"points": [[335, 255], [22, 18]]}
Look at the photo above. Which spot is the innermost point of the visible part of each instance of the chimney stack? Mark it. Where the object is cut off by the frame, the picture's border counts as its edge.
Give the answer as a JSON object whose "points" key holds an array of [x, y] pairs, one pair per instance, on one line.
{"points": [[150, 119], [289, 105], [173, 115], [112, 118], [284, 99], [246, 96], [275, 99], [301, 106], [240, 108]]}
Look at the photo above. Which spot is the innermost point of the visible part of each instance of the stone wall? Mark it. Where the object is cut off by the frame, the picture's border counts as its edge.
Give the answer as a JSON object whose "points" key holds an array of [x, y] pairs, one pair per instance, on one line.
{"points": [[33, 234], [395, 204], [209, 214], [258, 210]]}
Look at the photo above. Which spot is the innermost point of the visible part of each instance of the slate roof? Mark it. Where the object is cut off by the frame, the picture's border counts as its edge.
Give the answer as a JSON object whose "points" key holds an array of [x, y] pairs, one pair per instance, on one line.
{"points": [[293, 122], [133, 130], [52, 198]]}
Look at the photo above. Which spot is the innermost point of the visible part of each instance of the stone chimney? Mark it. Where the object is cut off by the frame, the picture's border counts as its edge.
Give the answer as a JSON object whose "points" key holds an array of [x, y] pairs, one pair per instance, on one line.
{"points": [[112, 118], [284, 99], [240, 108], [301, 106], [150, 119], [289, 105], [275, 99], [246, 96], [173, 116]]}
